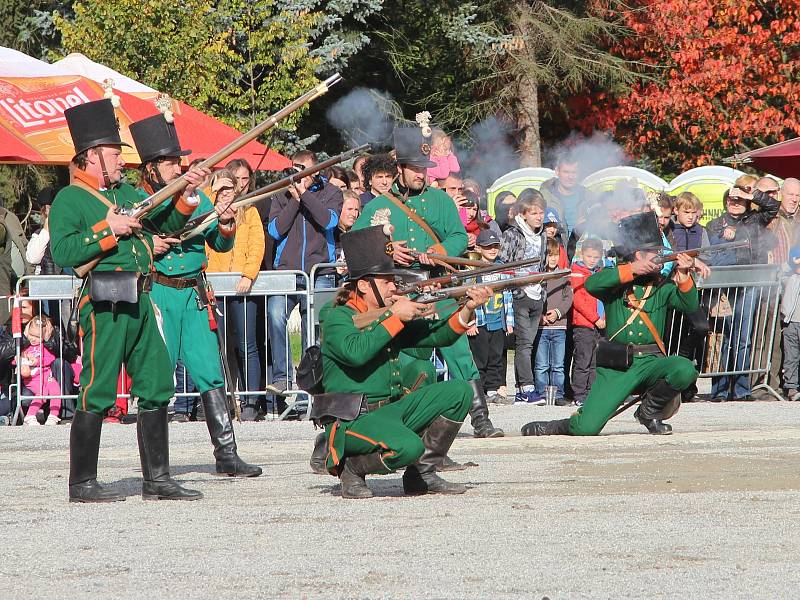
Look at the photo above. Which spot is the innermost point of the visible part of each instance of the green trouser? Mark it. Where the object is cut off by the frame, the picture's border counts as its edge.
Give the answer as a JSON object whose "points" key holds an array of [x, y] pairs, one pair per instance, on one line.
{"points": [[126, 335], [188, 336], [611, 388], [395, 429], [458, 356]]}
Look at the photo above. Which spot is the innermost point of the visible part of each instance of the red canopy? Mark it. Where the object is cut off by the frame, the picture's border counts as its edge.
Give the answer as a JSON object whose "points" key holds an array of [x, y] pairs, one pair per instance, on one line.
{"points": [[781, 159], [33, 128]]}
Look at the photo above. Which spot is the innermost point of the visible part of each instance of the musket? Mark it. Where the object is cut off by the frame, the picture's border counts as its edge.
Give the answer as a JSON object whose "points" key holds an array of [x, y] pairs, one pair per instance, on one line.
{"points": [[459, 277], [452, 260], [199, 223], [660, 260], [178, 185], [362, 320]]}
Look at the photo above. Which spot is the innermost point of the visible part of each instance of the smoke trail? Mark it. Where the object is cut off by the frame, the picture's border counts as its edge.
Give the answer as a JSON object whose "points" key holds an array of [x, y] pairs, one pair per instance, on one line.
{"points": [[593, 153], [364, 116], [489, 154]]}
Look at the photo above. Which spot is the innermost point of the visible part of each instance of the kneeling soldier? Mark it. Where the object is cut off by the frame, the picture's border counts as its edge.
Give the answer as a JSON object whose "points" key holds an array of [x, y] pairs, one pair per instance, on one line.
{"points": [[396, 429], [636, 300]]}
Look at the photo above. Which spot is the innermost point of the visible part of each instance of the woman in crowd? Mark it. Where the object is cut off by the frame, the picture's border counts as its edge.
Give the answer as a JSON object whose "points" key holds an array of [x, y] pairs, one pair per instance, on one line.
{"points": [[245, 258]]}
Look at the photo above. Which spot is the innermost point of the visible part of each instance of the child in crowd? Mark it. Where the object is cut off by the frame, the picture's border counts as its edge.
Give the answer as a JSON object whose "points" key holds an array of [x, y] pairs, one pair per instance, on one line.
{"points": [[552, 339], [442, 154], [526, 239], [790, 312], [686, 232], [471, 219], [493, 321], [35, 367], [587, 319], [552, 229]]}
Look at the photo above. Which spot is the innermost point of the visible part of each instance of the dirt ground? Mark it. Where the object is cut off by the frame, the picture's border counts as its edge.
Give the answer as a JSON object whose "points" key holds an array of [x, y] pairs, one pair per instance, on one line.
{"points": [[709, 512]]}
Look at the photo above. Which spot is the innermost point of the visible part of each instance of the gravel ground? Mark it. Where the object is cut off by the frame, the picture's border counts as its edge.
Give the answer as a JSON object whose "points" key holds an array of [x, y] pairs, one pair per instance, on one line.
{"points": [[710, 512]]}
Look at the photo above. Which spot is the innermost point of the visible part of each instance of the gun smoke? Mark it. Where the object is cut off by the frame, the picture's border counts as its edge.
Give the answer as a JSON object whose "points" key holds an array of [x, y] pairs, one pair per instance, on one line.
{"points": [[364, 116], [593, 153], [487, 154]]}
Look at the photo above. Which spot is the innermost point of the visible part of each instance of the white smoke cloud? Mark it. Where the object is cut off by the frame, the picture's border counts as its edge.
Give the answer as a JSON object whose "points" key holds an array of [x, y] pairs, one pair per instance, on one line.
{"points": [[595, 152], [364, 116]]}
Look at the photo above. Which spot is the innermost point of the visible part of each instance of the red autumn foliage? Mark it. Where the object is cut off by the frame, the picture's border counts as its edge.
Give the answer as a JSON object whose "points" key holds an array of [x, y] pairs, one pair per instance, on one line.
{"points": [[726, 81]]}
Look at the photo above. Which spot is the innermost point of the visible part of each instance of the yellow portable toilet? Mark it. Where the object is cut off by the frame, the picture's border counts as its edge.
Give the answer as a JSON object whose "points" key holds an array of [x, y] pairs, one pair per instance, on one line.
{"points": [[516, 181], [708, 183], [607, 179]]}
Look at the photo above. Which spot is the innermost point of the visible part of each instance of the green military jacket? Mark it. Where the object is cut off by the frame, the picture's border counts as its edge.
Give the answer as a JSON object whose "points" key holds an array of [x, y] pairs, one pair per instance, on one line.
{"points": [[367, 361], [79, 231], [612, 285], [434, 206], [188, 258]]}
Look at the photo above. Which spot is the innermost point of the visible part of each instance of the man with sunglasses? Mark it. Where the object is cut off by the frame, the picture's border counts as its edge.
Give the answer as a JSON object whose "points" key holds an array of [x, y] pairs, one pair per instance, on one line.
{"points": [[179, 285], [741, 222]]}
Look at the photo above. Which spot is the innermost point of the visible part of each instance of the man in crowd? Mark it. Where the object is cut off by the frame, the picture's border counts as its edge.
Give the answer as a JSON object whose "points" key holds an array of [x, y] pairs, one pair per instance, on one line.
{"points": [[453, 186], [117, 316], [426, 221], [302, 220], [180, 288], [565, 194], [379, 173], [636, 301]]}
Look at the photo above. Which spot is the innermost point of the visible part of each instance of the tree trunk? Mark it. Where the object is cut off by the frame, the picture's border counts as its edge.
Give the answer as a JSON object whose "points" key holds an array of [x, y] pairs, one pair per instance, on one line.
{"points": [[530, 151]]}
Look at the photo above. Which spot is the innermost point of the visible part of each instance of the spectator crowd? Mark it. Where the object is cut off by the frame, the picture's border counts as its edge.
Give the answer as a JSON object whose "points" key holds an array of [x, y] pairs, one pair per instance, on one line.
{"points": [[553, 328]]}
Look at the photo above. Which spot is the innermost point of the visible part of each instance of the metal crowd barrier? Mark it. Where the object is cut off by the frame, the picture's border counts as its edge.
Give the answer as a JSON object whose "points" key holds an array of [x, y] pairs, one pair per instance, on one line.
{"points": [[742, 305], [54, 295]]}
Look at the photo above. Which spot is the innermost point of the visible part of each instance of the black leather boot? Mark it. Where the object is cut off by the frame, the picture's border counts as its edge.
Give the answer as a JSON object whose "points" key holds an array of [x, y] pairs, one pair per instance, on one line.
{"points": [[659, 402], [448, 464], [479, 414], [421, 478], [84, 446], [560, 427], [355, 469], [319, 454], [152, 432], [220, 427]]}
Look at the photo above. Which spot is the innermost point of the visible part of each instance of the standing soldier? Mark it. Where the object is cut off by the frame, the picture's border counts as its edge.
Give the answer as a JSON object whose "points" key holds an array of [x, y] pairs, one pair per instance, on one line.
{"points": [[179, 280], [426, 220], [401, 428], [636, 300], [117, 316]]}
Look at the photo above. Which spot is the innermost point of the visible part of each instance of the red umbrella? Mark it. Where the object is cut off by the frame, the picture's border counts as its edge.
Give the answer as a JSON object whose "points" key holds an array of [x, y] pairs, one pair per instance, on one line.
{"points": [[33, 128], [781, 159]]}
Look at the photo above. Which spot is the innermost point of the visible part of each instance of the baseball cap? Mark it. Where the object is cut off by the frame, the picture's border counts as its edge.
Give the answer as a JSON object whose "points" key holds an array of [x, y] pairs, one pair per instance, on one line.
{"points": [[487, 237], [551, 216]]}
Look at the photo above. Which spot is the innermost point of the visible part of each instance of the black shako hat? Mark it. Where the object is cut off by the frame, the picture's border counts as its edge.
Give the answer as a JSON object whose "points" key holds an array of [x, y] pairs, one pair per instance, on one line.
{"points": [[93, 124], [638, 232], [155, 138], [45, 197], [368, 251], [412, 148]]}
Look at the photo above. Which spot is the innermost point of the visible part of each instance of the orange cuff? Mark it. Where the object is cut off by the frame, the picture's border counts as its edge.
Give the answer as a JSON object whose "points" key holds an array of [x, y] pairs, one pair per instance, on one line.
{"points": [[108, 242], [437, 249], [227, 232], [686, 286], [184, 207], [393, 325], [100, 225], [455, 323], [625, 273]]}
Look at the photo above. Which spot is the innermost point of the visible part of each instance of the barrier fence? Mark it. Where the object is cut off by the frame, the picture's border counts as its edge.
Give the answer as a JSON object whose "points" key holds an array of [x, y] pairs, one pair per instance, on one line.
{"points": [[731, 338]]}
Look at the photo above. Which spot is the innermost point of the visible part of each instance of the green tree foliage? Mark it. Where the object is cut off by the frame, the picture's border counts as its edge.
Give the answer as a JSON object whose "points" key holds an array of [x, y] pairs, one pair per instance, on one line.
{"points": [[235, 59]]}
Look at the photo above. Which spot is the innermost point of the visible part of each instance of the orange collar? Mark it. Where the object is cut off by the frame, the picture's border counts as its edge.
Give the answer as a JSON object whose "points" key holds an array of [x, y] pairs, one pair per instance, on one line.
{"points": [[89, 180], [357, 303]]}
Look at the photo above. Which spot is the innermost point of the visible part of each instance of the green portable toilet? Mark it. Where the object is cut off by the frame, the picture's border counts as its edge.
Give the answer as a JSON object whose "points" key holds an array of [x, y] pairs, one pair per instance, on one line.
{"points": [[516, 181], [708, 183]]}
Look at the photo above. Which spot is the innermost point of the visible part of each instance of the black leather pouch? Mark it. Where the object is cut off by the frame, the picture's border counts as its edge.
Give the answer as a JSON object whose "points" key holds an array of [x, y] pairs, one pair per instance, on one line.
{"points": [[612, 355], [309, 371], [114, 286], [327, 408]]}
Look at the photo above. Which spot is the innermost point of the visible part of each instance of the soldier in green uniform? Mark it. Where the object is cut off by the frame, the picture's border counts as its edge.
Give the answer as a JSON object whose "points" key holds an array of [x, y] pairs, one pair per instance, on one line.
{"points": [[400, 428], [426, 220], [178, 280], [636, 300], [117, 317]]}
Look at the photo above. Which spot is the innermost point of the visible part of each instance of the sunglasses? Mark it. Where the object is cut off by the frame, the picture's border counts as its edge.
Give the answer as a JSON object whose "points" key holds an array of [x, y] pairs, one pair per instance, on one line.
{"points": [[745, 188]]}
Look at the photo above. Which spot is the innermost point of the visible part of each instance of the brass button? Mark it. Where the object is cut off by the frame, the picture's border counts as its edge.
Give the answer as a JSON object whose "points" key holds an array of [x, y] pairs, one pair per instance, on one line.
{"points": [[86, 240], [180, 255], [94, 236], [169, 256], [183, 267], [170, 268]]}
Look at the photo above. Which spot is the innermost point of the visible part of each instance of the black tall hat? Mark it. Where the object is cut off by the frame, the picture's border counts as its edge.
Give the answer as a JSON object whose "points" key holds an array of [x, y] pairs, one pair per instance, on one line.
{"points": [[368, 251], [155, 138], [93, 124], [638, 232], [412, 148]]}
